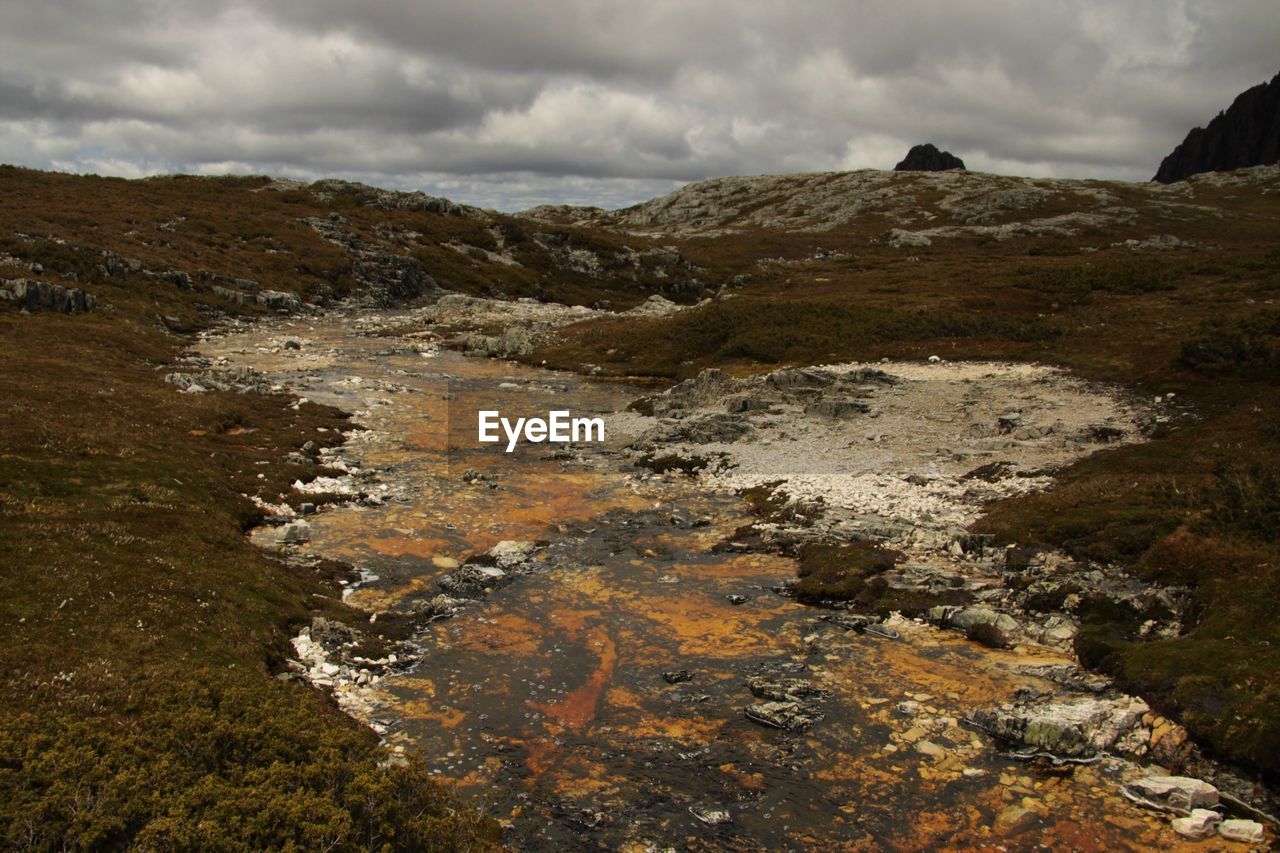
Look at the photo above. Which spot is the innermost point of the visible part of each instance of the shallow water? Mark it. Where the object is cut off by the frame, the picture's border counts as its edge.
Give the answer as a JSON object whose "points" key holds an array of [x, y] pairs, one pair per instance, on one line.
{"points": [[546, 702]]}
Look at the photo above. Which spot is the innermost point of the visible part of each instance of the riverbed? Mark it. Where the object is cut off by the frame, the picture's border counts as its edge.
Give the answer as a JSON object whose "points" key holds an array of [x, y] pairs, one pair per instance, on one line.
{"points": [[598, 699]]}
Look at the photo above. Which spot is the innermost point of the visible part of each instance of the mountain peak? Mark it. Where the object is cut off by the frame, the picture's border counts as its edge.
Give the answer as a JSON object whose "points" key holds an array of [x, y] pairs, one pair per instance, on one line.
{"points": [[1246, 134], [927, 158]]}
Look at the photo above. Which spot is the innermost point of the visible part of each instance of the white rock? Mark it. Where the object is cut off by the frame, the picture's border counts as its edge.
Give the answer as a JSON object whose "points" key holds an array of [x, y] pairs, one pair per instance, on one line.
{"points": [[1199, 825], [931, 749], [1178, 792], [1248, 831], [509, 553]]}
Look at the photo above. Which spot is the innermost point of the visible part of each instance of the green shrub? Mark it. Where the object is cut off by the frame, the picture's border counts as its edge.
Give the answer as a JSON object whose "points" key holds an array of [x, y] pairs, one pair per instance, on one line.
{"points": [[839, 572], [1248, 347], [1077, 283], [214, 761]]}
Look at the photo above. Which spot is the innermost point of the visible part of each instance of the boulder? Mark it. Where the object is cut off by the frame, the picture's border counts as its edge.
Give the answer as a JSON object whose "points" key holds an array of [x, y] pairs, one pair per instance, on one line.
{"points": [[437, 607], [232, 295], [781, 689], [1015, 820], [1080, 727], [1172, 793], [332, 634], [747, 403], [177, 278], [512, 342], [472, 581], [980, 623], [709, 429], [709, 385], [800, 379], [278, 300], [902, 239]]}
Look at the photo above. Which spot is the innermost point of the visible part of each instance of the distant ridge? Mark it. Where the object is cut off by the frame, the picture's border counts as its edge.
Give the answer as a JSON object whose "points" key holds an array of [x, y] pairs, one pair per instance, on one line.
{"points": [[927, 158], [1247, 134]]}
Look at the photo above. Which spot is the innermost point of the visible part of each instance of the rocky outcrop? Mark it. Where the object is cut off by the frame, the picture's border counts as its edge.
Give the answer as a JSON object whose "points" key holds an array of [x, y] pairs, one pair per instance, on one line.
{"points": [[386, 279], [45, 296], [383, 199], [927, 158], [1247, 134]]}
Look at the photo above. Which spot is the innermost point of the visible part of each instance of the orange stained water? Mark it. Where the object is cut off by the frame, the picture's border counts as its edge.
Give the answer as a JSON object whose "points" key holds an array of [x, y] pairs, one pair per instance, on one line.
{"points": [[547, 702]]}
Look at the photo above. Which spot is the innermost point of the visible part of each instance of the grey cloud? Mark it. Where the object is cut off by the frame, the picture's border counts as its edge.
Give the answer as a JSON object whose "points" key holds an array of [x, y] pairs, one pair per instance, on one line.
{"points": [[510, 103]]}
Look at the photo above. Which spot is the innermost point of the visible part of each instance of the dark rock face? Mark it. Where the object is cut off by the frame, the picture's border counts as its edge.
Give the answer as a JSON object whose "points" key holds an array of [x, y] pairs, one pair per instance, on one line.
{"points": [[1247, 134], [927, 158]]}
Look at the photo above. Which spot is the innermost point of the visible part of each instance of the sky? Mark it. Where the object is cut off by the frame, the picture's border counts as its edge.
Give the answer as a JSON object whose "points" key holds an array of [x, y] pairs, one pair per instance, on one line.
{"points": [[512, 103]]}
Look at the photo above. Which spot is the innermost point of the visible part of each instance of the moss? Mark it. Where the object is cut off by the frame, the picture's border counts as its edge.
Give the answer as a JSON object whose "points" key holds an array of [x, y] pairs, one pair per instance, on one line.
{"points": [[1052, 600], [771, 504], [642, 405], [670, 462], [839, 572]]}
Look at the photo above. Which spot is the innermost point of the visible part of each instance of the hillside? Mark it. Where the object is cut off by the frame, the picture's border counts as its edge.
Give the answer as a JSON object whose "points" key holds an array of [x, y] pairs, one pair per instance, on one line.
{"points": [[144, 634], [870, 204]]}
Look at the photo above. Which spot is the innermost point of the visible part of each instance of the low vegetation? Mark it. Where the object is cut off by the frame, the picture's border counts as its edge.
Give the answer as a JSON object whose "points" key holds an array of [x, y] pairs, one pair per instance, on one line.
{"points": [[142, 634], [839, 572]]}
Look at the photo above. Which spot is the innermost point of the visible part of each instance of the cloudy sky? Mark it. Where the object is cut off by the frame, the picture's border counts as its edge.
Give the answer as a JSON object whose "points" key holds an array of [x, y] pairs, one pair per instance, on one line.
{"points": [[509, 103]]}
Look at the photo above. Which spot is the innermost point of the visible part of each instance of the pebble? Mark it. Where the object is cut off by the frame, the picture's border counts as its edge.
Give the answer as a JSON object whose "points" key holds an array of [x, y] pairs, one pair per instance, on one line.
{"points": [[1015, 819]]}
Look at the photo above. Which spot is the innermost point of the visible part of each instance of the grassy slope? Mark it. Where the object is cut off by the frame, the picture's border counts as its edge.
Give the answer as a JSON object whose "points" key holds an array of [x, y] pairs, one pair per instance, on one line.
{"points": [[140, 629], [1198, 505]]}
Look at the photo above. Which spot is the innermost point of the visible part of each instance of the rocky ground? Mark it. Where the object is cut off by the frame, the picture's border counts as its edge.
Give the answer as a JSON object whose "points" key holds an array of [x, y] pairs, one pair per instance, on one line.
{"points": [[907, 455]]}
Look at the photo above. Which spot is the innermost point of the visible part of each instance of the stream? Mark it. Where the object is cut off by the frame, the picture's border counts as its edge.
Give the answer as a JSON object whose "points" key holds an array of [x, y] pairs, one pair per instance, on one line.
{"points": [[559, 702]]}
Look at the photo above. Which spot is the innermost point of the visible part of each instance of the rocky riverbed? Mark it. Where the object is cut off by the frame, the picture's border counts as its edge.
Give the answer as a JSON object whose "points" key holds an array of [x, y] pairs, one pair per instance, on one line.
{"points": [[607, 654]]}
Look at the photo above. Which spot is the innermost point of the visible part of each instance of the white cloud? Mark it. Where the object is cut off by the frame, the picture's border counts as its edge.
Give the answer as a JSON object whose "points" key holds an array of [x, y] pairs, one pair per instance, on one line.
{"points": [[509, 103]]}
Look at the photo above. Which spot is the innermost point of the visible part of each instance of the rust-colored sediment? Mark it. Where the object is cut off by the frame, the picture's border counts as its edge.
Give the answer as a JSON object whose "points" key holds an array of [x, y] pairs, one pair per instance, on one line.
{"points": [[547, 699]]}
